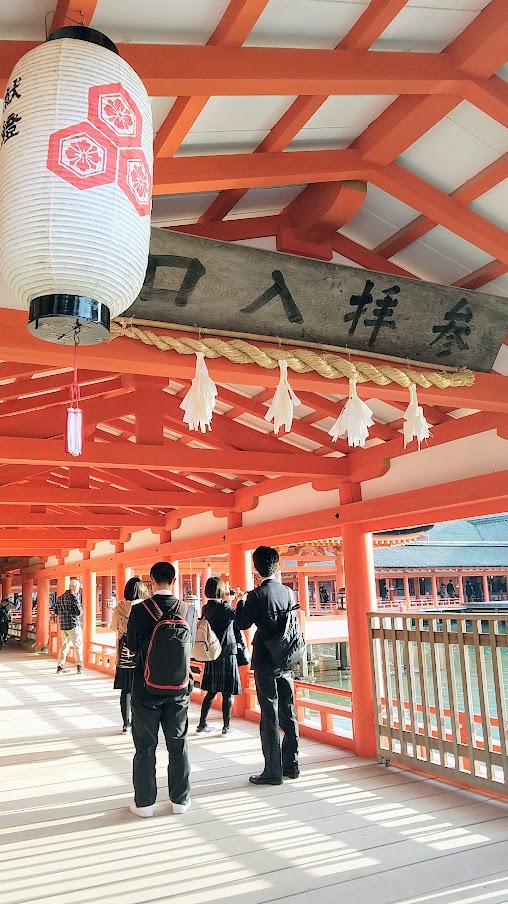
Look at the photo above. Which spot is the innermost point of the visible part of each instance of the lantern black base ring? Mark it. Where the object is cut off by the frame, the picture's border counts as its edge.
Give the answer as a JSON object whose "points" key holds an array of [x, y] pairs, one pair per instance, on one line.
{"points": [[55, 317]]}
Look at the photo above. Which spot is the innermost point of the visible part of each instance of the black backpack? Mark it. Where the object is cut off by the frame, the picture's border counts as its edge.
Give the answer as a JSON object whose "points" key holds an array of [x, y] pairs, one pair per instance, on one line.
{"points": [[167, 661]]}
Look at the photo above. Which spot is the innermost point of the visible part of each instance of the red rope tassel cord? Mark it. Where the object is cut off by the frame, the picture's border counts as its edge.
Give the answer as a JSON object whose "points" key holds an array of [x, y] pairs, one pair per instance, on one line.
{"points": [[74, 433]]}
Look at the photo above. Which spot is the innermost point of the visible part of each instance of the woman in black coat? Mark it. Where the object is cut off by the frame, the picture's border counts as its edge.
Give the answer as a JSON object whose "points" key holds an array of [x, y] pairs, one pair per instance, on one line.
{"points": [[221, 675]]}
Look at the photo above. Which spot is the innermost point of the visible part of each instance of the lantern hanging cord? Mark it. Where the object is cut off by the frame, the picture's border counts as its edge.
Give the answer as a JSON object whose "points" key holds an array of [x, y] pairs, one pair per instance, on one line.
{"points": [[75, 394], [302, 360], [67, 19]]}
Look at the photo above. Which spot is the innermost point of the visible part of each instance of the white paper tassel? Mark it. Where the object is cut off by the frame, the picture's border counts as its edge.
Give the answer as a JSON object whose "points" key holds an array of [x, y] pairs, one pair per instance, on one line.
{"points": [[354, 420], [74, 435], [199, 402], [283, 403], [415, 424]]}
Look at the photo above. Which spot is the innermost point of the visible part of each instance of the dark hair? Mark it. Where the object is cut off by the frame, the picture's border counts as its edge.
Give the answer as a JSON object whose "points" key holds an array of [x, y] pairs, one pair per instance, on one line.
{"points": [[134, 589], [266, 560], [215, 588], [163, 573]]}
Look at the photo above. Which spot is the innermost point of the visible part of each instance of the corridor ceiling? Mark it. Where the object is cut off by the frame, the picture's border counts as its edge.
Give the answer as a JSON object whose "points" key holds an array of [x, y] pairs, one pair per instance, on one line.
{"points": [[372, 134]]}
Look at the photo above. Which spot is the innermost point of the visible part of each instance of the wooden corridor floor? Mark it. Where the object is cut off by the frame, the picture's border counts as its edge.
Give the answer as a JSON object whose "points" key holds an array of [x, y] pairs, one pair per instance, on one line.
{"points": [[348, 831]]}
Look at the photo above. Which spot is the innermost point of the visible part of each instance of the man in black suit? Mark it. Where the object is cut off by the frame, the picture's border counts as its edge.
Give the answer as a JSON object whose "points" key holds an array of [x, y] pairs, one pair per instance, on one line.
{"points": [[265, 607]]}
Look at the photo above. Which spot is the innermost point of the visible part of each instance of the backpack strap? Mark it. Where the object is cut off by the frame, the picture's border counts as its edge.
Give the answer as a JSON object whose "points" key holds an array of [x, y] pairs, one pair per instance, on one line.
{"points": [[153, 609]]}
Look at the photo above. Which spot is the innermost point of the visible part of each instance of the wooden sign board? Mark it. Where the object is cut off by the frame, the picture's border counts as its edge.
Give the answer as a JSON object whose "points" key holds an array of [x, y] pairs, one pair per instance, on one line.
{"points": [[192, 281]]}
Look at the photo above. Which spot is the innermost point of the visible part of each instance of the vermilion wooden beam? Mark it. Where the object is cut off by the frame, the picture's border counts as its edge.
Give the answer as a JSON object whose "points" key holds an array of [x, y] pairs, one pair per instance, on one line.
{"points": [[70, 12], [65, 535], [233, 230], [47, 495], [179, 175], [36, 402], [370, 260], [165, 458], [366, 30], [471, 190], [64, 519], [128, 357], [482, 276], [322, 209], [232, 30]]}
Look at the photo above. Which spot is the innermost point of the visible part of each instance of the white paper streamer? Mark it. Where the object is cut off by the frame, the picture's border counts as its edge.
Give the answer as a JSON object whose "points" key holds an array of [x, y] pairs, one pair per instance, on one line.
{"points": [[354, 420], [74, 433], [415, 424], [282, 407], [200, 400]]}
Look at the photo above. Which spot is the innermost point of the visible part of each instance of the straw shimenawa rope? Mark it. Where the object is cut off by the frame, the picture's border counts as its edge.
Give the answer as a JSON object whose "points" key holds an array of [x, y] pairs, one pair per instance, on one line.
{"points": [[302, 360]]}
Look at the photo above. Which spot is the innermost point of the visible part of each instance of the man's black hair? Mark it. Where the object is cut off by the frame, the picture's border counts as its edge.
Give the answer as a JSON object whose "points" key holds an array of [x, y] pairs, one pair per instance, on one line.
{"points": [[266, 560], [163, 573]]}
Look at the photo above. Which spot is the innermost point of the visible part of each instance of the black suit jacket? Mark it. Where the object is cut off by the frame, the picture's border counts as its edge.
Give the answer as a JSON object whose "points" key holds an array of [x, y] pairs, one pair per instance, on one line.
{"points": [[264, 607]]}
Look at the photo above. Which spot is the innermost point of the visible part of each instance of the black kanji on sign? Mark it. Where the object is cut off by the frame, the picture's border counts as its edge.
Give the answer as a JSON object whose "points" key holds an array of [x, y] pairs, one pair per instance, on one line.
{"points": [[279, 288], [383, 312], [181, 296], [361, 301], [9, 127], [455, 329], [12, 92]]}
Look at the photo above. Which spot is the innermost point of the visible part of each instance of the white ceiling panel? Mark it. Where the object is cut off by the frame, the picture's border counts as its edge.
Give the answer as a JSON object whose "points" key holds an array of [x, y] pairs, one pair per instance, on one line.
{"points": [[159, 21], [378, 219], [339, 121], [494, 205], [160, 109], [436, 158], [170, 210], [498, 286], [441, 257], [230, 125], [266, 200], [428, 26], [305, 23], [24, 20]]}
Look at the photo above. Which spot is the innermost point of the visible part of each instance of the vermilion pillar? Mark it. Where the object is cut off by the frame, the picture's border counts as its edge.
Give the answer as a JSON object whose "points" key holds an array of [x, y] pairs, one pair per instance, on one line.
{"points": [[339, 573], [89, 610], [486, 591], [460, 589], [407, 598], [303, 592], [361, 598], [433, 582], [27, 585], [205, 574], [42, 628], [6, 586], [107, 586], [120, 582]]}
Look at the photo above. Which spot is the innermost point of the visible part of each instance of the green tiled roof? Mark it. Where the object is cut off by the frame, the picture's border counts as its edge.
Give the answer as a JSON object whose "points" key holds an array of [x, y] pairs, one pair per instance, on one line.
{"points": [[475, 543]]}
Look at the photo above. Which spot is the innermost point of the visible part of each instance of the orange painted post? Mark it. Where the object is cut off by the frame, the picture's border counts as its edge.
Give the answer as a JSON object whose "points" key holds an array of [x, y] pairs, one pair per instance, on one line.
{"points": [[339, 573], [205, 574], [42, 628], [26, 605], [120, 582], [433, 581], [361, 598], [460, 589], [107, 586], [6, 586], [485, 586], [303, 593], [240, 575], [89, 612]]}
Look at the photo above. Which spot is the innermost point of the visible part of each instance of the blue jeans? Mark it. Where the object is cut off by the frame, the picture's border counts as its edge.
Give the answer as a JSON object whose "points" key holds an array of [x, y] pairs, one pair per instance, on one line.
{"points": [[148, 713]]}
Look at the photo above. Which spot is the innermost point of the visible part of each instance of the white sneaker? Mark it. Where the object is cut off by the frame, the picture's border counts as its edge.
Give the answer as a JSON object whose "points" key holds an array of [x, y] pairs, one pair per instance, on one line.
{"points": [[141, 811], [181, 808]]}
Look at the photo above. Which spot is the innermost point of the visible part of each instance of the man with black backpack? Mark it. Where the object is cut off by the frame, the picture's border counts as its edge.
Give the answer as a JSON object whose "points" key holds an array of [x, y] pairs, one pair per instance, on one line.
{"points": [[269, 607], [161, 633]]}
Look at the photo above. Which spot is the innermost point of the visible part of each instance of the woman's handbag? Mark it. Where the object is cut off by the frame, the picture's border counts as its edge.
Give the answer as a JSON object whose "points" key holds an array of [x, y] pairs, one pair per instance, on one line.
{"points": [[207, 645]]}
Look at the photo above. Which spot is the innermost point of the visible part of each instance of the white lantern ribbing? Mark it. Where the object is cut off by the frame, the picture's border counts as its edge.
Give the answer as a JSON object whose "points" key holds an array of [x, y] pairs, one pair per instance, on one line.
{"points": [[75, 185]]}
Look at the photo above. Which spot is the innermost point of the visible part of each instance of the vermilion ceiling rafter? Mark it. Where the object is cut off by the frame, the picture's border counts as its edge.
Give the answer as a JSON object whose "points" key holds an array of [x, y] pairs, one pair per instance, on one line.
{"points": [[232, 30]]}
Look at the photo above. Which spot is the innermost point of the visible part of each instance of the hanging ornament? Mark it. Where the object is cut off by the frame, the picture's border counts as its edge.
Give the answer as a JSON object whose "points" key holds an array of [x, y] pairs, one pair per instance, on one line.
{"points": [[354, 420], [283, 403], [76, 183], [74, 433], [415, 424], [200, 400]]}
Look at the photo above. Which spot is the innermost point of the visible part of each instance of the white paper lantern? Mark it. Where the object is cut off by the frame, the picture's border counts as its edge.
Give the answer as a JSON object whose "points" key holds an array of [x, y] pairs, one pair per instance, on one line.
{"points": [[75, 185]]}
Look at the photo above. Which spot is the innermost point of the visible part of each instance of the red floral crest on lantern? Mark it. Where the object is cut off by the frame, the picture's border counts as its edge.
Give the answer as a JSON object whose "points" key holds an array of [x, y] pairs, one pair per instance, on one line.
{"points": [[87, 155], [82, 156], [113, 111], [134, 179]]}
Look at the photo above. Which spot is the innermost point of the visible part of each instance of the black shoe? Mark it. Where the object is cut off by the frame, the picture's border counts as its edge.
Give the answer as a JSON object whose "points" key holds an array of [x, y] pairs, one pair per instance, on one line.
{"points": [[62, 668], [291, 773], [264, 780]]}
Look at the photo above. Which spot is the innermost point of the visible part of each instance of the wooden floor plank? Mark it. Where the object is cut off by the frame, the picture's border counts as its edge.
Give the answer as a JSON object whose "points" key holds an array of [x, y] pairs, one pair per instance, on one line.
{"points": [[348, 829]]}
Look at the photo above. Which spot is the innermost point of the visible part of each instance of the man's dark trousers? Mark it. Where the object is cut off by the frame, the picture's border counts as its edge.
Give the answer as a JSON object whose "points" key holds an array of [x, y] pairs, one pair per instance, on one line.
{"points": [[148, 712], [276, 699]]}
